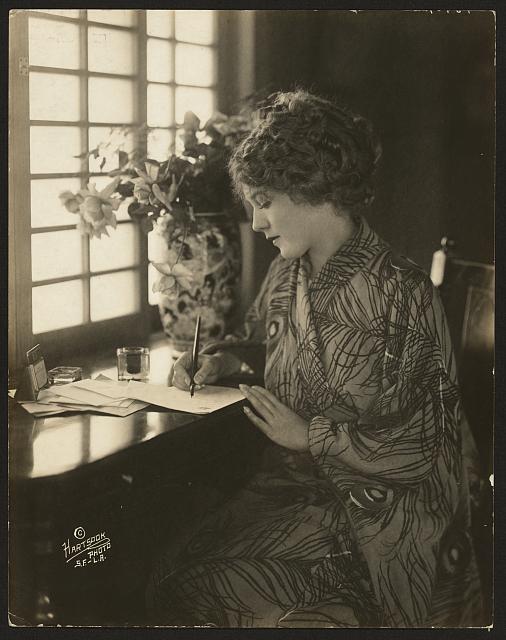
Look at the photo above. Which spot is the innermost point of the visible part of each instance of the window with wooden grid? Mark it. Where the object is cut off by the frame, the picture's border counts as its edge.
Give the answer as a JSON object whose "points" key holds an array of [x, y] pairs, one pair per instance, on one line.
{"points": [[91, 73]]}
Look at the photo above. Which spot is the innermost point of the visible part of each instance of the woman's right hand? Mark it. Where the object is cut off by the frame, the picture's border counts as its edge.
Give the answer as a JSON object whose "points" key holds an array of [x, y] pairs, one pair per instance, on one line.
{"points": [[210, 369]]}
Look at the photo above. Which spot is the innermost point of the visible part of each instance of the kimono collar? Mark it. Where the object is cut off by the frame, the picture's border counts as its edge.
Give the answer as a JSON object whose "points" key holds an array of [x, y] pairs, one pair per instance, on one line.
{"points": [[351, 256]]}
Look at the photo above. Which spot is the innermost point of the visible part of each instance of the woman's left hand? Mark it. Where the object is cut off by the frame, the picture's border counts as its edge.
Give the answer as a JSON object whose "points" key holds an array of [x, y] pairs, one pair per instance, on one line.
{"points": [[277, 421]]}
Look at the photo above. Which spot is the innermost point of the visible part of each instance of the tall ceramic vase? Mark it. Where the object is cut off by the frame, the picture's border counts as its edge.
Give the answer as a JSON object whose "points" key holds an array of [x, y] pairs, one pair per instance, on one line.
{"points": [[206, 282]]}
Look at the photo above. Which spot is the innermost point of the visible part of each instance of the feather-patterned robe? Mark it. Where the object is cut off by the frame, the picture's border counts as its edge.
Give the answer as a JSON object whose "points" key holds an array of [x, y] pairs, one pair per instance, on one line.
{"points": [[370, 527]]}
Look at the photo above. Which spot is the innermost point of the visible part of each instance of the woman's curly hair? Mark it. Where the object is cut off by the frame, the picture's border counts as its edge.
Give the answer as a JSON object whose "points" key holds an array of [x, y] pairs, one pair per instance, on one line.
{"points": [[309, 148]]}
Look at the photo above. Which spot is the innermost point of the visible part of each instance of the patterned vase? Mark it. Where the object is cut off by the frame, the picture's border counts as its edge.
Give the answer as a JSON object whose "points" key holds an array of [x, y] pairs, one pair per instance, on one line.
{"points": [[211, 259]]}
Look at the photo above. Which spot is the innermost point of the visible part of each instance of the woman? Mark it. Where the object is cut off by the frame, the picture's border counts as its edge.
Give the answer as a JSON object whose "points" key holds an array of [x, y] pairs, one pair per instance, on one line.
{"points": [[360, 514]]}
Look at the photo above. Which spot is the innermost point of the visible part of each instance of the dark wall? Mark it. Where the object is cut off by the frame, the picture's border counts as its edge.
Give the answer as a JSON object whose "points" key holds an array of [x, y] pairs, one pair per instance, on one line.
{"points": [[427, 83]]}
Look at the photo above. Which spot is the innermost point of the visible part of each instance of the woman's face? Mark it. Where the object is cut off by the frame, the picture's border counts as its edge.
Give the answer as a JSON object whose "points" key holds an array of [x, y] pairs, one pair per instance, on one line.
{"points": [[289, 226]]}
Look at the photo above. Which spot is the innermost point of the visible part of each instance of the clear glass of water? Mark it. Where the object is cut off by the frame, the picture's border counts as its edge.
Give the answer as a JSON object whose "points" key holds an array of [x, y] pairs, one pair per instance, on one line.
{"points": [[133, 363]]}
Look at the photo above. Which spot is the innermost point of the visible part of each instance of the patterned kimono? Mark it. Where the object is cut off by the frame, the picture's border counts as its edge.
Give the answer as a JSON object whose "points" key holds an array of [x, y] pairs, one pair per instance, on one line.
{"points": [[370, 527]]}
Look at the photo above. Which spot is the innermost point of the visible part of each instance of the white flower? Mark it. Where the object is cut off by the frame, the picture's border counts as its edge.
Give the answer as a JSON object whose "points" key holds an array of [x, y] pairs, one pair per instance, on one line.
{"points": [[96, 208], [164, 223]]}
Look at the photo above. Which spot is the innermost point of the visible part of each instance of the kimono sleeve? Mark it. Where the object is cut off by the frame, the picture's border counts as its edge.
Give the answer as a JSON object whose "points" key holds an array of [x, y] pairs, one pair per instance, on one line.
{"points": [[410, 427]]}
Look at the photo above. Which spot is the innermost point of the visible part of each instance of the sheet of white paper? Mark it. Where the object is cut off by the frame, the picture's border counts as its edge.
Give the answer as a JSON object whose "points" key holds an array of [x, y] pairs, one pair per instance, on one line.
{"points": [[110, 388], [40, 410], [109, 410], [206, 400], [37, 409], [106, 402], [69, 393]]}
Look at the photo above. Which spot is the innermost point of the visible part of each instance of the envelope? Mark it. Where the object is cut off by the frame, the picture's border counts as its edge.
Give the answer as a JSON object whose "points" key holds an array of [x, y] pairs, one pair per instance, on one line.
{"points": [[109, 388], [76, 395]]}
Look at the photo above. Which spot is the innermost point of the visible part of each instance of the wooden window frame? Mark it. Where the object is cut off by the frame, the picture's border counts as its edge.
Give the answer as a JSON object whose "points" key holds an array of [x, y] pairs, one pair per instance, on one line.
{"points": [[214, 46], [69, 342]]}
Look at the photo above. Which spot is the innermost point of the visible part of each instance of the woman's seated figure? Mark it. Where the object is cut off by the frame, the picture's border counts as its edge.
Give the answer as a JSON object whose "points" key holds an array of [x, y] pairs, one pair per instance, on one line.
{"points": [[360, 513]]}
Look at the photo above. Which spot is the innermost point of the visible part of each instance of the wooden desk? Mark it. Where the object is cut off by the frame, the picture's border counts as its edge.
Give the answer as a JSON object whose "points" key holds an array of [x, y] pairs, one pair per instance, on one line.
{"points": [[140, 482]]}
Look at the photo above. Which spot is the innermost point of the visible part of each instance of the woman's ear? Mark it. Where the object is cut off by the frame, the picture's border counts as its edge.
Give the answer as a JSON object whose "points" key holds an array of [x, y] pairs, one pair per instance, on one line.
{"points": [[248, 207]]}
